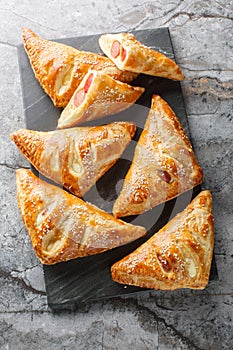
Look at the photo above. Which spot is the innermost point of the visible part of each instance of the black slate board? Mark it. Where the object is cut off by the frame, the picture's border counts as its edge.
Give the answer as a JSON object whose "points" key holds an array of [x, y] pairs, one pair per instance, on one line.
{"points": [[89, 278]]}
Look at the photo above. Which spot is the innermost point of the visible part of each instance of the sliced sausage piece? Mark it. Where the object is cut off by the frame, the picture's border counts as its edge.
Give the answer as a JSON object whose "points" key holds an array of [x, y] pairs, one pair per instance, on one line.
{"points": [[80, 94], [88, 83], [123, 54], [79, 97], [164, 175], [115, 49]]}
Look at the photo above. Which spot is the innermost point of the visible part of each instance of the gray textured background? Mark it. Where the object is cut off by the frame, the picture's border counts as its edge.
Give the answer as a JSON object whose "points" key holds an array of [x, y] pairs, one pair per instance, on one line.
{"points": [[202, 36]]}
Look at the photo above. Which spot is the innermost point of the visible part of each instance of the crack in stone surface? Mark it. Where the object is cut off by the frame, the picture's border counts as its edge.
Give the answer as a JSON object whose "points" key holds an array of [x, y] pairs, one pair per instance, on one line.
{"points": [[20, 281], [193, 16], [27, 19], [206, 70], [21, 312], [140, 307], [14, 166], [175, 8], [139, 24], [151, 5], [212, 86], [8, 44]]}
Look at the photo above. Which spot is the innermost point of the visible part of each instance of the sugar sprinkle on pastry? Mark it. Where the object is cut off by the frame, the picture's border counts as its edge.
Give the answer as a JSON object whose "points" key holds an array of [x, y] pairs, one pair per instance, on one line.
{"points": [[75, 158], [60, 68], [177, 256], [130, 54], [163, 166], [64, 227], [97, 96]]}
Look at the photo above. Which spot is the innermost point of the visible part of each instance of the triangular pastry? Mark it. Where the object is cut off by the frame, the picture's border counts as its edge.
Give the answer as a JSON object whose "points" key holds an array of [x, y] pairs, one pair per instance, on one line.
{"points": [[163, 166], [98, 95], [177, 256], [129, 54], [60, 68], [75, 158], [62, 226]]}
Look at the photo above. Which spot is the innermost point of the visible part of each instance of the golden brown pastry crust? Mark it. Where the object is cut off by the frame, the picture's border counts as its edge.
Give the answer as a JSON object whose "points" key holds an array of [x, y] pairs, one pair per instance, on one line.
{"points": [[138, 57], [164, 164], [177, 256], [60, 68], [62, 226], [105, 96], [75, 158]]}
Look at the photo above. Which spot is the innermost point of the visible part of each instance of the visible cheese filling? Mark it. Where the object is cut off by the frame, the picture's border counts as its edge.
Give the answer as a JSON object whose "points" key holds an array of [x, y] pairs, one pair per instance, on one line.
{"points": [[54, 162], [45, 212], [75, 163], [64, 79], [190, 265], [52, 242]]}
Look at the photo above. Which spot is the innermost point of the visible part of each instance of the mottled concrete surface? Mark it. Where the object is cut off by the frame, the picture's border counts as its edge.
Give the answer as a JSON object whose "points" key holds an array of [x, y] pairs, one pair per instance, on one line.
{"points": [[202, 36]]}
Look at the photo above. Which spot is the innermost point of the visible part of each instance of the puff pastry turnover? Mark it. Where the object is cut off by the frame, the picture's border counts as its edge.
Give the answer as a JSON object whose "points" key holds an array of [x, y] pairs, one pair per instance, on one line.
{"points": [[75, 158], [62, 226], [178, 256], [60, 68], [129, 54], [98, 95], [164, 164]]}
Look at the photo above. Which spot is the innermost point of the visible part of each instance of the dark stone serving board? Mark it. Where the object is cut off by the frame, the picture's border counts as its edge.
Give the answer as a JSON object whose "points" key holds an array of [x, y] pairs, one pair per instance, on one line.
{"points": [[89, 278]]}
